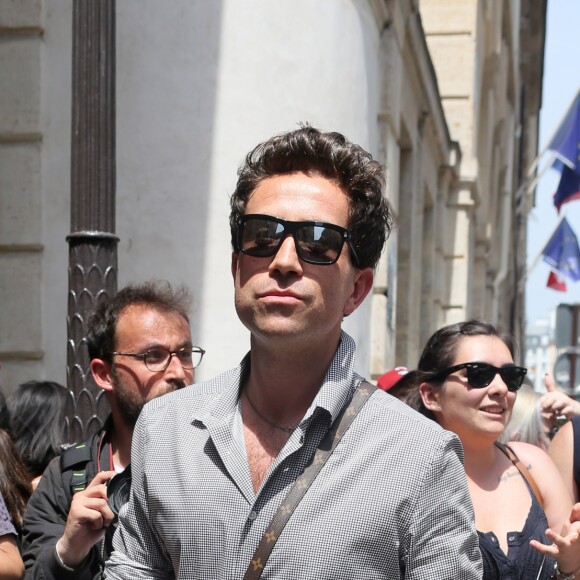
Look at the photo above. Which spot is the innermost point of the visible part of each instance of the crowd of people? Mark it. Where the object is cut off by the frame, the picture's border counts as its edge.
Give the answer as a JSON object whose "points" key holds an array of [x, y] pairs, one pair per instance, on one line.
{"points": [[291, 465]]}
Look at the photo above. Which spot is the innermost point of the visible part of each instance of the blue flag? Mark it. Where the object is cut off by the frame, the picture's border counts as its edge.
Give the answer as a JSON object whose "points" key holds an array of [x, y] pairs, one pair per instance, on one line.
{"points": [[562, 253], [568, 188], [566, 141]]}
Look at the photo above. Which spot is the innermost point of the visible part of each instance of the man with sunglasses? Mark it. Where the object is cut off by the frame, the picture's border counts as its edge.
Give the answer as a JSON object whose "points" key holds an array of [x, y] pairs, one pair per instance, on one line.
{"points": [[308, 223], [140, 346]]}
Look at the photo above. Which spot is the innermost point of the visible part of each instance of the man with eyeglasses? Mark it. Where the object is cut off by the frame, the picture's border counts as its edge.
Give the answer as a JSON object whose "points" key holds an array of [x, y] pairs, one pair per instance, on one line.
{"points": [[140, 346], [272, 470]]}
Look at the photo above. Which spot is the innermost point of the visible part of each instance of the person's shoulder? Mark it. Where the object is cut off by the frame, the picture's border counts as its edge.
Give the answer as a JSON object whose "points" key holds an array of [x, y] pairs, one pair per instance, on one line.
{"points": [[563, 440], [402, 421], [384, 403], [52, 494], [529, 454], [195, 394], [80, 452], [397, 435]]}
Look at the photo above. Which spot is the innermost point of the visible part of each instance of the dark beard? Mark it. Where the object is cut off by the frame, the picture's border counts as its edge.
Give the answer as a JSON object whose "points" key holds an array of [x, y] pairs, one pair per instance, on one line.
{"points": [[130, 410], [129, 407]]}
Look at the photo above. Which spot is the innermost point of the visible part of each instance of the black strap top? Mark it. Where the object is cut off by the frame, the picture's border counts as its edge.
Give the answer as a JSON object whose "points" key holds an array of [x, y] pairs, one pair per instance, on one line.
{"points": [[522, 562]]}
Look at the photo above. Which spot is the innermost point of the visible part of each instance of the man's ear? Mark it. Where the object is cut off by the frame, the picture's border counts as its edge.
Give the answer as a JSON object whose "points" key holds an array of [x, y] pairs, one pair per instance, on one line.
{"points": [[101, 371], [430, 396], [363, 283]]}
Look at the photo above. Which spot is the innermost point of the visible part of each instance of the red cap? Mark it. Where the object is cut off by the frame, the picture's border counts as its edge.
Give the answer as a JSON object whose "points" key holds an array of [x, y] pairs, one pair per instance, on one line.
{"points": [[390, 378]]}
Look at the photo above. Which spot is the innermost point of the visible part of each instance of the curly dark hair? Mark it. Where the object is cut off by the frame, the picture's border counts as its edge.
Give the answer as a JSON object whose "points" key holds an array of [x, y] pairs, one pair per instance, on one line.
{"points": [[156, 294], [439, 354], [330, 155]]}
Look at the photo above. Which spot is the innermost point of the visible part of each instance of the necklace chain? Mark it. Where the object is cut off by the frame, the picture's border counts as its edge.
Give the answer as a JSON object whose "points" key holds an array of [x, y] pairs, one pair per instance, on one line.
{"points": [[266, 420]]}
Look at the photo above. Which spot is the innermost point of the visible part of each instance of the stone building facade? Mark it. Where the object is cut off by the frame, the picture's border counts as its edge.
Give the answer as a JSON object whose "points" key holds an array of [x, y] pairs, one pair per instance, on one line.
{"points": [[445, 93]]}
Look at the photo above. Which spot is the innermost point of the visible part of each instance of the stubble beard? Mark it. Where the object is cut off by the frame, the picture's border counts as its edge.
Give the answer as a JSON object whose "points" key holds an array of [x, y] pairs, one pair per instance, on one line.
{"points": [[130, 405]]}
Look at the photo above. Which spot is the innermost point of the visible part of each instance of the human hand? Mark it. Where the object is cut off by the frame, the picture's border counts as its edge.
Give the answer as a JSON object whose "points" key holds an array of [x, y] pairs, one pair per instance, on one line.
{"points": [[88, 518], [555, 404], [566, 544]]}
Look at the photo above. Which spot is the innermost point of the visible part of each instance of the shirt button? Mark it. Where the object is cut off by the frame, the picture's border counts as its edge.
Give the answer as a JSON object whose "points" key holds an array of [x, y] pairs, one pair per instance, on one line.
{"points": [[253, 515], [511, 538]]}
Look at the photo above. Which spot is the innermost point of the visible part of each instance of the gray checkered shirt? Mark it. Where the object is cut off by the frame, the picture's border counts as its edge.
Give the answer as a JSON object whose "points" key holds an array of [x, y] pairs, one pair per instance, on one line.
{"points": [[391, 502]]}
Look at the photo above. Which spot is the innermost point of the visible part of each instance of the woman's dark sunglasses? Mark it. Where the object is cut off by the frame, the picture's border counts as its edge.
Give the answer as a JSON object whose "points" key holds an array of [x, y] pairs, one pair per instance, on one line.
{"points": [[480, 374], [316, 242]]}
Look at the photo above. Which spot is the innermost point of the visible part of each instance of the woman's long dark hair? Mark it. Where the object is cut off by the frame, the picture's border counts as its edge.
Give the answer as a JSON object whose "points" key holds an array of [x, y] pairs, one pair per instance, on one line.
{"points": [[37, 411], [15, 483]]}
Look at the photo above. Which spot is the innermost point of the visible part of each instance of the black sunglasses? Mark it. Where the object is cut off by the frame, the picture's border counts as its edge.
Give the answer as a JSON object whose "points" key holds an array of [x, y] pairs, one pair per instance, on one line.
{"points": [[480, 374], [319, 243]]}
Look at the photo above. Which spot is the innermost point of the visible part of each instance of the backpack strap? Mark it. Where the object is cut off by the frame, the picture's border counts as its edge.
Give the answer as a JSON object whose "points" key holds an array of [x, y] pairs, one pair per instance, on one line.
{"points": [[75, 459], [79, 463], [79, 460], [511, 455]]}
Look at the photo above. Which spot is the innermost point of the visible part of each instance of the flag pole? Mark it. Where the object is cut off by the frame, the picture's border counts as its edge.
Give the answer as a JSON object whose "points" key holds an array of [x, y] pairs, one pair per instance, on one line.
{"points": [[536, 161], [530, 185]]}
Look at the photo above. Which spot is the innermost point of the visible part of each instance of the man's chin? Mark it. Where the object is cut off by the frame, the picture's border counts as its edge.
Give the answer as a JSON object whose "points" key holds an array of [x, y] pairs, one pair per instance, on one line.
{"points": [[168, 389]]}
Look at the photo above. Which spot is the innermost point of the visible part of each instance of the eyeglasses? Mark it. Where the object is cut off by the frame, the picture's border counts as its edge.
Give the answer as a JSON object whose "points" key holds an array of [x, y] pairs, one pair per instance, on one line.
{"points": [[157, 359], [316, 242], [480, 374]]}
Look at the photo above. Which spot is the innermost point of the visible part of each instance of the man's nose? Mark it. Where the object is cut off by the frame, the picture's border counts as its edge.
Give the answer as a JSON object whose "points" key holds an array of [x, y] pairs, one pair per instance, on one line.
{"points": [[286, 259], [175, 368]]}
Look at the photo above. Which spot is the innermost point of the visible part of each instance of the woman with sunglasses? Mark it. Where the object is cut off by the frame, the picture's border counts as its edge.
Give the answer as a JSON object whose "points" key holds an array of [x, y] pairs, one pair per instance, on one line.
{"points": [[467, 382]]}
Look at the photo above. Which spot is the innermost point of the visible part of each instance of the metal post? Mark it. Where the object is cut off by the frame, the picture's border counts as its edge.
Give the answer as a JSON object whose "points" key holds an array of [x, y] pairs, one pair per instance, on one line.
{"points": [[92, 243]]}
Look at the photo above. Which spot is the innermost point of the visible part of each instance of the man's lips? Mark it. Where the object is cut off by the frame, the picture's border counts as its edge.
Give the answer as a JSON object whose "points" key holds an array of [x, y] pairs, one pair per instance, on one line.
{"points": [[279, 296]]}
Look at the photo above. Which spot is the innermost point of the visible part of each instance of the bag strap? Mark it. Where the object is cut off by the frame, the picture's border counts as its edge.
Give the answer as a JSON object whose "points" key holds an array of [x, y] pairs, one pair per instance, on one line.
{"points": [[76, 466], [301, 485], [511, 455]]}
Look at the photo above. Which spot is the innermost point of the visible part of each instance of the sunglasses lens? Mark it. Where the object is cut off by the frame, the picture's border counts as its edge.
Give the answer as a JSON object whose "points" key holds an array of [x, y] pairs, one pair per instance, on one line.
{"points": [[480, 375], [318, 244], [513, 377], [261, 237]]}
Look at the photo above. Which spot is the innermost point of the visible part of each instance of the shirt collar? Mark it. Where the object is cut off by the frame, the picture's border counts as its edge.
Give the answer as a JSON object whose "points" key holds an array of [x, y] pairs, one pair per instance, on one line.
{"points": [[336, 389], [340, 380]]}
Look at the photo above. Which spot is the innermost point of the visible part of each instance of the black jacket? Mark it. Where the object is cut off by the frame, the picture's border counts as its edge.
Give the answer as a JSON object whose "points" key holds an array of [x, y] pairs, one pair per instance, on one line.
{"points": [[48, 507]]}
